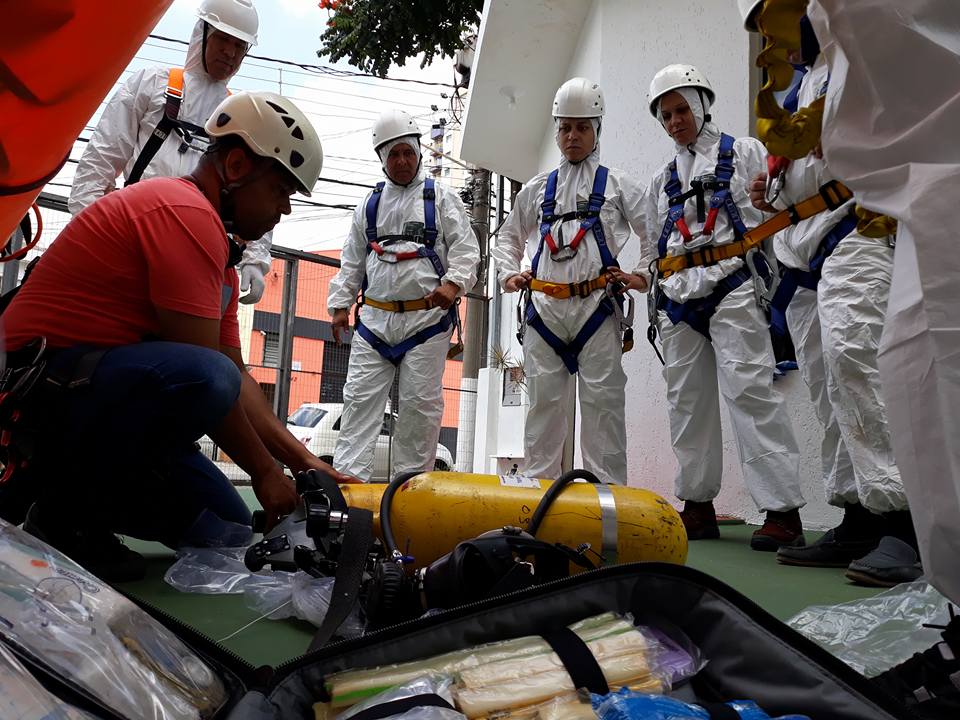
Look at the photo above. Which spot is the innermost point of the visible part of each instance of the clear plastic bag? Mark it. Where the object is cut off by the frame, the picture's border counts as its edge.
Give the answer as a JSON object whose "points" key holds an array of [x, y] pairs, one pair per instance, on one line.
{"points": [[440, 685], [874, 634], [23, 698], [274, 594], [278, 595], [210, 571], [627, 705], [97, 639], [512, 677]]}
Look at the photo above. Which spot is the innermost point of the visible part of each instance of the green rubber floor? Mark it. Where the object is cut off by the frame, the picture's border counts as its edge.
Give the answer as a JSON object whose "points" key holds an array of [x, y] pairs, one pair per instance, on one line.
{"points": [[780, 589]]}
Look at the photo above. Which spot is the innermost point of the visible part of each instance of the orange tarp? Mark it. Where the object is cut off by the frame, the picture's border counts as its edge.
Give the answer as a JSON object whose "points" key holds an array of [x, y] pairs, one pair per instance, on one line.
{"points": [[58, 60]]}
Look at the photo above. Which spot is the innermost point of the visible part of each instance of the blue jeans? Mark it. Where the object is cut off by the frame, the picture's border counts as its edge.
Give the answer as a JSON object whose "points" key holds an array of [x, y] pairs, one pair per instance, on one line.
{"points": [[119, 452]]}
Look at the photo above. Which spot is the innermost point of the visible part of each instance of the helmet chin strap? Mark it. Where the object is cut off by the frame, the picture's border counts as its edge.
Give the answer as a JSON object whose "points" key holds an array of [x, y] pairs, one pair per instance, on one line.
{"points": [[227, 205], [203, 46]]}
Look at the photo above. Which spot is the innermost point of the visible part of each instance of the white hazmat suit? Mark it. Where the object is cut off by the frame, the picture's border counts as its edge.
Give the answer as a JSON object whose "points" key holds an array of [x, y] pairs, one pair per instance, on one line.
{"points": [[739, 361], [839, 357], [600, 377], [128, 121], [370, 376], [890, 123]]}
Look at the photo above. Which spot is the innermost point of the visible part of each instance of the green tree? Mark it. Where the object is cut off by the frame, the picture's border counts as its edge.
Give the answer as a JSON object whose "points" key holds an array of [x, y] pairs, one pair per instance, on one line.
{"points": [[375, 34]]}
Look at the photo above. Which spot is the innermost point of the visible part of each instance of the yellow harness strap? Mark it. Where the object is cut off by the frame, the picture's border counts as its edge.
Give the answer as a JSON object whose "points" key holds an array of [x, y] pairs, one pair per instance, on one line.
{"points": [[565, 291], [830, 197]]}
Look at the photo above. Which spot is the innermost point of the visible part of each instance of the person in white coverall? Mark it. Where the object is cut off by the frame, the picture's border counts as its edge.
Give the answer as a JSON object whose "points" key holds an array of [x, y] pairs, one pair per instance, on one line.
{"points": [[412, 253], [836, 318], [713, 331], [901, 63], [890, 122], [573, 337], [121, 142]]}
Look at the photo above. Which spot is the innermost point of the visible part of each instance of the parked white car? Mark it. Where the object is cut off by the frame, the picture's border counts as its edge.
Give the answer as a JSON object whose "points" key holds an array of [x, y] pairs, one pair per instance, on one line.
{"points": [[317, 426]]}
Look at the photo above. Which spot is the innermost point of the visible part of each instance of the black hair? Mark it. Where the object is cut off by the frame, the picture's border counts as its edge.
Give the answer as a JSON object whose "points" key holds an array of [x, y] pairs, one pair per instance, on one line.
{"points": [[224, 144]]}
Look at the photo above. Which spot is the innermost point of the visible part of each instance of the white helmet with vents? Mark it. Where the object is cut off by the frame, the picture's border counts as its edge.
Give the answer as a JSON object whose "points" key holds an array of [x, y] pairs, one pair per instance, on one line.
{"points": [[273, 127]]}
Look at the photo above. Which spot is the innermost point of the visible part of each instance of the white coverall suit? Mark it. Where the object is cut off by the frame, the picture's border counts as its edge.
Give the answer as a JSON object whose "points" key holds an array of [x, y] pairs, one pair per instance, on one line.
{"points": [[740, 357], [129, 120], [850, 303], [370, 376], [600, 378], [890, 123]]}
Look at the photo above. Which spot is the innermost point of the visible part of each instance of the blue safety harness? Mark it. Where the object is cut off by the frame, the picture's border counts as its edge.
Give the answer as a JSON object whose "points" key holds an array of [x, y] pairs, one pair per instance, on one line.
{"points": [[590, 221], [698, 312], [378, 244], [793, 278]]}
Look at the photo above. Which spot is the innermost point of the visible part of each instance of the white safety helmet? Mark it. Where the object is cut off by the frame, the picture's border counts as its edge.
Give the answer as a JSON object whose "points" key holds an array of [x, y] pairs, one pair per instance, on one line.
{"points": [[273, 127], [237, 18], [391, 125], [748, 11], [578, 98], [673, 77]]}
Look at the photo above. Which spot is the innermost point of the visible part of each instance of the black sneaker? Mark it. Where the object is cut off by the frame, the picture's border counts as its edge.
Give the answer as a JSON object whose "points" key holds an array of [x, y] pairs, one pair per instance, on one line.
{"points": [[828, 551], [100, 552], [891, 563]]}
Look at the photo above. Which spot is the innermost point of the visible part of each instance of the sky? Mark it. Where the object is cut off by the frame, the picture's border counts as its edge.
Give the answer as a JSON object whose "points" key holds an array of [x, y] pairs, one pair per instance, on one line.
{"points": [[342, 109]]}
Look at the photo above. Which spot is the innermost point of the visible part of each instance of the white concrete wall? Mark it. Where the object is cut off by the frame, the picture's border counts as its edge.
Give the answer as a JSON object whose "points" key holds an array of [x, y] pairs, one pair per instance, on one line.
{"points": [[621, 44]]}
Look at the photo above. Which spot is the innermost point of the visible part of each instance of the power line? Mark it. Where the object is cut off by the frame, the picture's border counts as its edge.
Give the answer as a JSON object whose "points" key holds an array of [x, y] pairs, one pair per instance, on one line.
{"points": [[322, 69], [321, 179]]}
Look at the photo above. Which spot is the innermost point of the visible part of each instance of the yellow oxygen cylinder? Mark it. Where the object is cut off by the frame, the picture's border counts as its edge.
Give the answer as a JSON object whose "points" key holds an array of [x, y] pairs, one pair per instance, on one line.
{"points": [[434, 511]]}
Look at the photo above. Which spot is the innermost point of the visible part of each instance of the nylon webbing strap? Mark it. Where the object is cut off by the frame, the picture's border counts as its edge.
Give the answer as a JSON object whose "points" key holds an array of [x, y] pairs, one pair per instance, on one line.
{"points": [[398, 707], [578, 661], [357, 539], [171, 111], [565, 291], [830, 197], [398, 305], [719, 711], [319, 478]]}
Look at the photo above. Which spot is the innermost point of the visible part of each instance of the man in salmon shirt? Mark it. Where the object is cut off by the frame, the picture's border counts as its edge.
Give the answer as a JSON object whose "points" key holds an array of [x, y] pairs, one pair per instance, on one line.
{"points": [[137, 300]]}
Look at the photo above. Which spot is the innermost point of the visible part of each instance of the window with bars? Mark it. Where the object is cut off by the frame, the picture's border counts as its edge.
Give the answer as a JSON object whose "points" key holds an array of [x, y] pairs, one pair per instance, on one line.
{"points": [[271, 349]]}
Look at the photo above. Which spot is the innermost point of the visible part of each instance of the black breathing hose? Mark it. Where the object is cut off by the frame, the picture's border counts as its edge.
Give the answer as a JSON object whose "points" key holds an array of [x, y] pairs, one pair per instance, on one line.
{"points": [[549, 496], [385, 502]]}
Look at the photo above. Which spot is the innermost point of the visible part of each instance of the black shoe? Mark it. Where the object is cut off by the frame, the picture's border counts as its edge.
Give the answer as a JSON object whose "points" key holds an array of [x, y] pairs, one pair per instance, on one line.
{"points": [[828, 551], [700, 520], [891, 563], [101, 553]]}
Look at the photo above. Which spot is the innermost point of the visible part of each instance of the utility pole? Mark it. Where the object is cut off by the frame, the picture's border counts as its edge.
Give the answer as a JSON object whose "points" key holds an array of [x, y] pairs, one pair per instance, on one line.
{"points": [[475, 330]]}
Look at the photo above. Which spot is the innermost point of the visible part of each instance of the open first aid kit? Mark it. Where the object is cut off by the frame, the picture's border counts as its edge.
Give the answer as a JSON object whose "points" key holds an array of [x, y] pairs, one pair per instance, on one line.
{"points": [[625, 642]]}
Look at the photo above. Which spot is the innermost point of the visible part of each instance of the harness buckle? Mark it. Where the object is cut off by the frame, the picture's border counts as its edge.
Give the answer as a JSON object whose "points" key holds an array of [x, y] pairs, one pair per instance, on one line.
{"points": [[583, 289], [387, 257], [698, 238], [563, 253], [832, 194]]}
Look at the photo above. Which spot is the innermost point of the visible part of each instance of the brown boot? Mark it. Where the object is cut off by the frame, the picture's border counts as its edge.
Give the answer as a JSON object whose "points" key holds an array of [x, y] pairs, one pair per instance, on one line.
{"points": [[780, 529], [700, 520]]}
